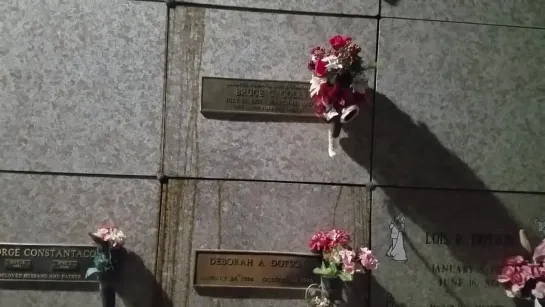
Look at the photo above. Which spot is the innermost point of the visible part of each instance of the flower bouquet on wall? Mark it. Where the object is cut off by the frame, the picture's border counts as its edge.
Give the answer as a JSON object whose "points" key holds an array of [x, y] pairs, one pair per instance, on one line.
{"points": [[338, 83], [524, 277], [110, 241], [339, 261]]}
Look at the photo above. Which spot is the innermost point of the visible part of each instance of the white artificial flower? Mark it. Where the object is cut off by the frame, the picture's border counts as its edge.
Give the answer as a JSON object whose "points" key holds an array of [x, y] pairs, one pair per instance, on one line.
{"points": [[335, 257], [359, 84], [117, 237], [321, 302], [315, 83], [332, 62]]}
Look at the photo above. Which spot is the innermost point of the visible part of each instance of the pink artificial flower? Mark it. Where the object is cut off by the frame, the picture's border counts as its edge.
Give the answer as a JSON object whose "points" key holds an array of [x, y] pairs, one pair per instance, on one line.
{"points": [[514, 274], [319, 242], [339, 237], [539, 252], [102, 233], [349, 268], [537, 271], [368, 260], [539, 291], [347, 256]]}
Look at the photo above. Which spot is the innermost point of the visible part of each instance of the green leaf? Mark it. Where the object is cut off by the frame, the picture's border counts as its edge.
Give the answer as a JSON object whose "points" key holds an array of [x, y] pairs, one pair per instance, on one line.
{"points": [[346, 276], [334, 268], [317, 271], [330, 271], [90, 272]]}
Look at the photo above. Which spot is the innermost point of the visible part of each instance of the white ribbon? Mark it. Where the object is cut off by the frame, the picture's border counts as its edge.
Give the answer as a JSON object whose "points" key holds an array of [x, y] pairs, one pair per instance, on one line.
{"points": [[331, 143]]}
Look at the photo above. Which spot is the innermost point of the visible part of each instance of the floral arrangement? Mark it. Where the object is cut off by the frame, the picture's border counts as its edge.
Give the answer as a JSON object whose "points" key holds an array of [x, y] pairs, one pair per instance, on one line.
{"points": [[339, 260], [110, 241], [524, 277], [338, 83]]}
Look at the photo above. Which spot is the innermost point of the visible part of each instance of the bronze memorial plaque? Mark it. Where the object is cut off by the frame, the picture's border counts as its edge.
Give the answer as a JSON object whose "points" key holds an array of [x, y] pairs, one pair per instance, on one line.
{"points": [[44, 262], [257, 270], [221, 96]]}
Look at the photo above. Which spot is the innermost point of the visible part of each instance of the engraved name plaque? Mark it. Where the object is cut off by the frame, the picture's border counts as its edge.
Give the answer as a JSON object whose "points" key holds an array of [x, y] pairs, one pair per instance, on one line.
{"points": [[46, 263], [221, 96], [251, 270]]}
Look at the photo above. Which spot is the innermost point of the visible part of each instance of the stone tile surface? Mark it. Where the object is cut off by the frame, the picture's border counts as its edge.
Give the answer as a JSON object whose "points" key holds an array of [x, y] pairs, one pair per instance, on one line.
{"points": [[452, 243], [81, 86], [56, 209], [251, 216], [266, 47], [502, 12], [460, 106], [356, 7]]}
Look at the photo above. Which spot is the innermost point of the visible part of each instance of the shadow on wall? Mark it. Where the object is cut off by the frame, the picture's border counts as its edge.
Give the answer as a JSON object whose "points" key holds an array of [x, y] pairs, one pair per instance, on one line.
{"points": [[409, 150], [392, 2], [136, 285]]}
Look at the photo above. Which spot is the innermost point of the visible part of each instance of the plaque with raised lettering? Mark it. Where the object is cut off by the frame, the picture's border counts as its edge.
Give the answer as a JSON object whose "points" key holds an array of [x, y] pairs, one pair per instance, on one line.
{"points": [[257, 270], [46, 263], [221, 96]]}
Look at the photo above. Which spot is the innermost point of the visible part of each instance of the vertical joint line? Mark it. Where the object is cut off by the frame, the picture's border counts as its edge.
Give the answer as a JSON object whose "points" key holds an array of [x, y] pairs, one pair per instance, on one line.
{"points": [[165, 92], [374, 105]]}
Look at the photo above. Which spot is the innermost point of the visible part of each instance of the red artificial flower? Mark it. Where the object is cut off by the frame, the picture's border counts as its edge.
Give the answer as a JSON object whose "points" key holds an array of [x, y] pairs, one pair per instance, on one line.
{"points": [[326, 241], [320, 69], [329, 91], [337, 42], [319, 242]]}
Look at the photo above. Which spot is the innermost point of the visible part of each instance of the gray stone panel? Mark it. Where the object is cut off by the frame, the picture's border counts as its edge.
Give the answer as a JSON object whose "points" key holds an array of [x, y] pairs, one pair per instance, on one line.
{"points": [[56, 209], [355, 7], [460, 106], [81, 86], [446, 231], [502, 12], [247, 45], [249, 216]]}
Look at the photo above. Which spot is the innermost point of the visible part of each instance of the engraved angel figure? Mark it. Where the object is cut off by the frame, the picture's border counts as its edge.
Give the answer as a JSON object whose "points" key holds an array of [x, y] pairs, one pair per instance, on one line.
{"points": [[397, 249]]}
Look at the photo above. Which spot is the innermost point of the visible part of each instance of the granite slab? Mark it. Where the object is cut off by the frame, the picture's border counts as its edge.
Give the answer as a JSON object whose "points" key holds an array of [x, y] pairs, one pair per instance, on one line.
{"points": [[459, 106], [59, 209], [527, 13], [250, 45], [81, 86], [451, 242], [237, 215]]}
